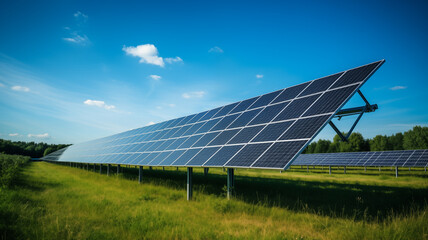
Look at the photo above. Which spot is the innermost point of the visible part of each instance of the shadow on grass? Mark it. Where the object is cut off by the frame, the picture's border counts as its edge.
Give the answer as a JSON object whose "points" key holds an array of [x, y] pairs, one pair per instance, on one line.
{"points": [[344, 200], [355, 201]]}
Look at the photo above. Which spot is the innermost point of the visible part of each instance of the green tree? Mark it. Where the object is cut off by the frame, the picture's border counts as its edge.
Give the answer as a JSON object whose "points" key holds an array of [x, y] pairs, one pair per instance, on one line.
{"points": [[396, 141], [322, 146], [417, 138], [49, 150], [379, 143]]}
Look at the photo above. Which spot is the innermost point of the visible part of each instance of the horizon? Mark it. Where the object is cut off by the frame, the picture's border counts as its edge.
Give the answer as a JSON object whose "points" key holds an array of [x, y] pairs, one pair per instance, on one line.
{"points": [[76, 71]]}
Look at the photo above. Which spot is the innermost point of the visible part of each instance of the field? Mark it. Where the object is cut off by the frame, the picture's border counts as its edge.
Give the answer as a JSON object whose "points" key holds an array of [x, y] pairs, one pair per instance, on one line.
{"points": [[51, 201]]}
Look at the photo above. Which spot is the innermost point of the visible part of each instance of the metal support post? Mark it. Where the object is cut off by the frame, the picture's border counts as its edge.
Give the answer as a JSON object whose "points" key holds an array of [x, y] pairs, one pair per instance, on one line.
{"points": [[140, 174], [118, 168], [150, 168], [365, 168], [329, 170], [108, 169], [206, 171], [307, 168], [177, 168], [189, 183], [344, 169], [396, 171], [70, 164], [87, 167], [101, 168], [163, 168], [379, 169], [230, 182]]}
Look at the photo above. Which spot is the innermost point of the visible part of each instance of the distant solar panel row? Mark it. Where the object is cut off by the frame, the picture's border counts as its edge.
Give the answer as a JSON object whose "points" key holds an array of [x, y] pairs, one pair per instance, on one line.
{"points": [[405, 158], [267, 131]]}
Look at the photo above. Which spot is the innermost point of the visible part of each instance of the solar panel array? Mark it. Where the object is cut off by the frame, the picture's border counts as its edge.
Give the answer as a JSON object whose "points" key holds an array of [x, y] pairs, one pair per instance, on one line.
{"points": [[267, 131], [405, 158]]}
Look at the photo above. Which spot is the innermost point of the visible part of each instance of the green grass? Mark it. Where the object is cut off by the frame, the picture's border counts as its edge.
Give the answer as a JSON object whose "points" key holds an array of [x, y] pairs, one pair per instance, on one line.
{"points": [[59, 202]]}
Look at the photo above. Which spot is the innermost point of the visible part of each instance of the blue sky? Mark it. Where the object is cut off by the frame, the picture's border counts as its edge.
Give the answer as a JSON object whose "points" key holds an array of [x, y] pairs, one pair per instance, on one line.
{"points": [[72, 71]]}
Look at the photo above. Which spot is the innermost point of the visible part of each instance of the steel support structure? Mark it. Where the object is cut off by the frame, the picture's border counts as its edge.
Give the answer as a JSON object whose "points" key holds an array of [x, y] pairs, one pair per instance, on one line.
{"points": [[101, 168], [230, 182], [206, 171], [118, 169], [329, 170], [353, 111], [140, 174], [108, 169], [396, 171], [189, 183]]}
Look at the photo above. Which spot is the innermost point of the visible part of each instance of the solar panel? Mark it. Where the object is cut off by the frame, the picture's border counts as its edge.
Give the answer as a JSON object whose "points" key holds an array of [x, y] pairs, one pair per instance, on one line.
{"points": [[267, 131], [400, 158]]}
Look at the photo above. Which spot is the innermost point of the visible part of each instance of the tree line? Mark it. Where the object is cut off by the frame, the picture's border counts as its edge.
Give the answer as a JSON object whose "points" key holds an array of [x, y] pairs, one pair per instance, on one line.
{"points": [[32, 149], [416, 138]]}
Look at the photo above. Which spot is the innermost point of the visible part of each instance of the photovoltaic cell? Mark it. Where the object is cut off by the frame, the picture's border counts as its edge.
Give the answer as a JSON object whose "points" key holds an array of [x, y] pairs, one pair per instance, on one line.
{"points": [[248, 155], [296, 108], [245, 118], [208, 125], [305, 128], [206, 139], [171, 158], [272, 132], [183, 159], [279, 154], [291, 92], [242, 106], [265, 99], [223, 123], [246, 134], [268, 113], [356, 75], [330, 101], [203, 156], [223, 155], [210, 114], [224, 137], [225, 110], [320, 85]]}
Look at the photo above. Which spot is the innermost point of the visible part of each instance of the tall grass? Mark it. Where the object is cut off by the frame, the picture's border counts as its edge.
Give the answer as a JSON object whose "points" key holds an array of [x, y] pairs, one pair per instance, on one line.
{"points": [[59, 202], [9, 167]]}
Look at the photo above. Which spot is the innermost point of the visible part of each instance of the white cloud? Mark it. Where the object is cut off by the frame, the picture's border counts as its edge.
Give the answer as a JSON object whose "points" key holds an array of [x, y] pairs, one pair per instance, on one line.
{"points": [[43, 136], [147, 53], [171, 105], [20, 89], [80, 16], [398, 88], [77, 39], [13, 134], [197, 94], [150, 123], [259, 76], [100, 104], [173, 60], [75, 34], [215, 50], [155, 77]]}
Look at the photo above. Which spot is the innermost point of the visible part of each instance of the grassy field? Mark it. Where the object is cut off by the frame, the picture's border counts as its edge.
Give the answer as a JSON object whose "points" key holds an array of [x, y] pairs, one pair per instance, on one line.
{"points": [[52, 201]]}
